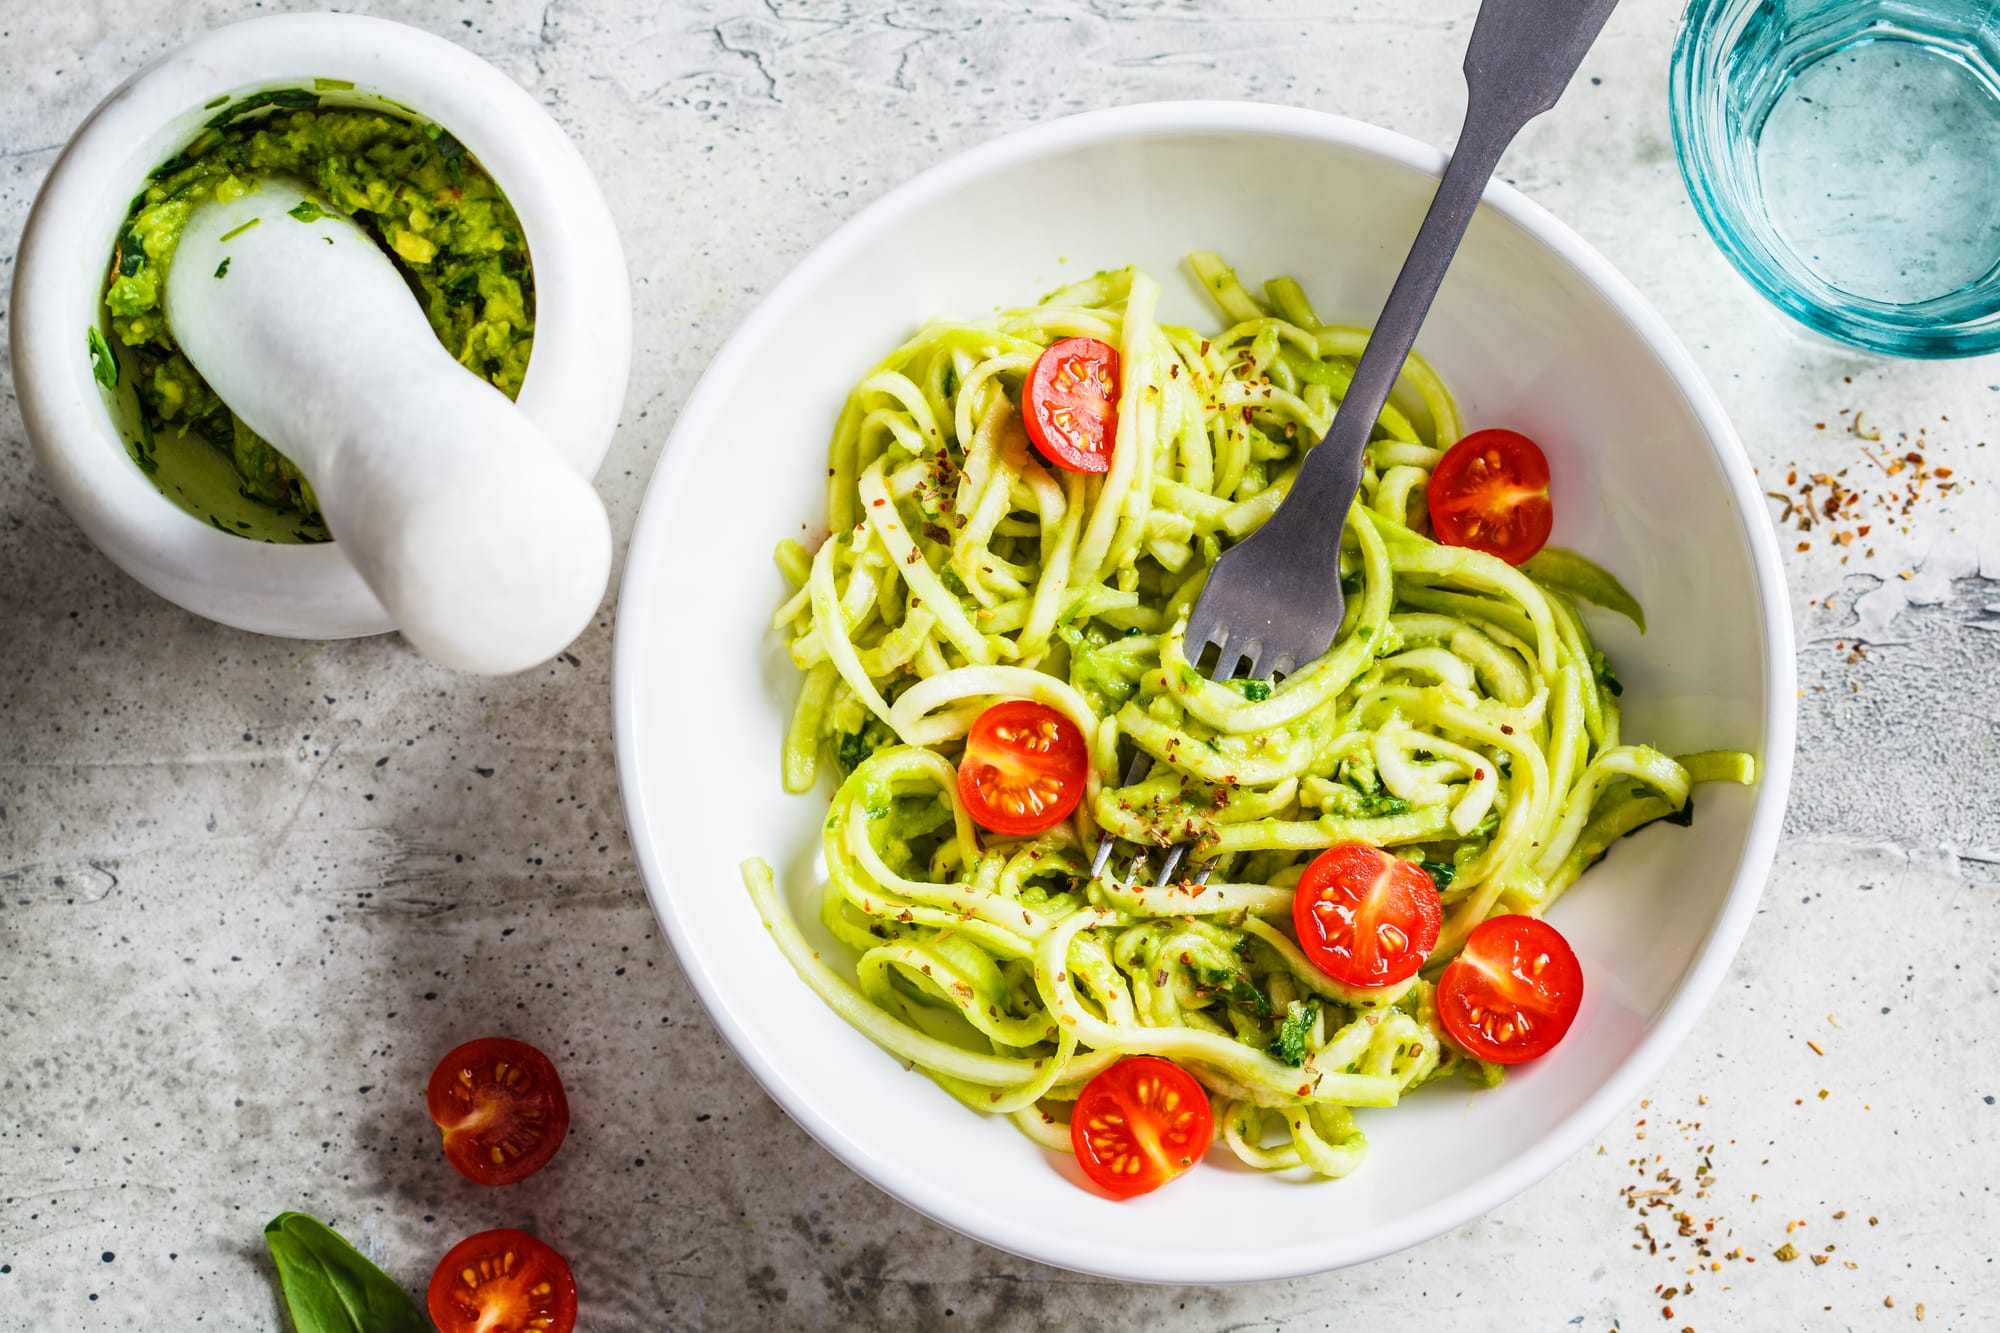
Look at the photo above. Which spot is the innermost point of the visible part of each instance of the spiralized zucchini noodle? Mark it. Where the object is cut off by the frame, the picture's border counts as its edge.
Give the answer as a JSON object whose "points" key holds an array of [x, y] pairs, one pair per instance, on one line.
{"points": [[1462, 718]]}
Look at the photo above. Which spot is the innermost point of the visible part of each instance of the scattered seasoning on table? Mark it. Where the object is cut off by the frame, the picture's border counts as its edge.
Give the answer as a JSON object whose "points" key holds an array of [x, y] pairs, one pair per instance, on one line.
{"points": [[1664, 1192], [1887, 487], [1828, 502]]}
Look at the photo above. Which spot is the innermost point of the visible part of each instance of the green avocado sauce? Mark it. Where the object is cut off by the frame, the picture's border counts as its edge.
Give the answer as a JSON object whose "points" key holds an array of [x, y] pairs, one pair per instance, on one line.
{"points": [[410, 185]]}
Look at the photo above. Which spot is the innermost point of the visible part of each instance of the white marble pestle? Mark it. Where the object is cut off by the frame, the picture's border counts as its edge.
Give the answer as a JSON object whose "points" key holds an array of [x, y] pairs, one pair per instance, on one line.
{"points": [[487, 549]]}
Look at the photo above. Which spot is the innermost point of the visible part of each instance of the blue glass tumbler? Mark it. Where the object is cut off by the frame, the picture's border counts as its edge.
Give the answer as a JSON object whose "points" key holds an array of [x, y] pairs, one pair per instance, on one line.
{"points": [[1845, 154]]}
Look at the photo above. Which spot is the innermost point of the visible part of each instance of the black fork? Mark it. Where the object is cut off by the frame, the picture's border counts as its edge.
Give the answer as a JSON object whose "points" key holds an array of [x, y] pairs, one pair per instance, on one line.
{"points": [[1273, 601]]}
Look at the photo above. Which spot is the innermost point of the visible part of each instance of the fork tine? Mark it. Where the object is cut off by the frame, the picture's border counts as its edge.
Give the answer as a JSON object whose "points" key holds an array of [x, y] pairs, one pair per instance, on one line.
{"points": [[1201, 874], [1136, 771], [1172, 863], [1237, 659], [1203, 633]]}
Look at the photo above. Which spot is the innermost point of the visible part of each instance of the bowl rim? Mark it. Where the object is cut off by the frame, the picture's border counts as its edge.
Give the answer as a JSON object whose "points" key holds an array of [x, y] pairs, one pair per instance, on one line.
{"points": [[638, 603], [574, 387]]}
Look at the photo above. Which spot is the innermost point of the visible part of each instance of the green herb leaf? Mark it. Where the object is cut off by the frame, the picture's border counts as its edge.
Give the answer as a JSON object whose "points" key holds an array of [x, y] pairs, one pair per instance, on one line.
{"points": [[854, 747], [1567, 572], [103, 365], [1237, 990], [1289, 1048], [1442, 873], [306, 211], [297, 99], [1256, 691], [131, 254], [1379, 803], [1605, 675], [222, 269], [330, 1288], [453, 153]]}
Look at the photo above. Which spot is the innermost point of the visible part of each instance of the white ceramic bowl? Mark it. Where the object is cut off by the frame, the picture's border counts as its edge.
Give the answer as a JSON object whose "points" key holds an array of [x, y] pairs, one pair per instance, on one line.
{"points": [[575, 385], [1533, 330]]}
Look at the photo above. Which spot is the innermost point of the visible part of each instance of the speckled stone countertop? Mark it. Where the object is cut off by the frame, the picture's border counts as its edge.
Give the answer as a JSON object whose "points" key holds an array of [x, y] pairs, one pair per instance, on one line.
{"points": [[251, 889]]}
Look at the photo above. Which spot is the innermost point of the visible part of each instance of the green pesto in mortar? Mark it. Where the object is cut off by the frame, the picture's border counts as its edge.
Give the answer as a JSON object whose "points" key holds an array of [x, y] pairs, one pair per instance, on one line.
{"points": [[410, 185]]}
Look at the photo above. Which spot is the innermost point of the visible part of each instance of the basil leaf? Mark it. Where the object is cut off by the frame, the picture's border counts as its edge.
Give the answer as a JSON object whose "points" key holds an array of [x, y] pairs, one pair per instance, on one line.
{"points": [[330, 1288], [296, 99], [103, 365]]}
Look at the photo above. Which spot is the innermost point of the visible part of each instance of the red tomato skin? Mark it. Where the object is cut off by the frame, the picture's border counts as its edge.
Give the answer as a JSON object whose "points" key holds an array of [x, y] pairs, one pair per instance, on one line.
{"points": [[1490, 492], [1069, 405], [1119, 1090], [1031, 751], [534, 1100], [1342, 890], [456, 1307], [1538, 973]]}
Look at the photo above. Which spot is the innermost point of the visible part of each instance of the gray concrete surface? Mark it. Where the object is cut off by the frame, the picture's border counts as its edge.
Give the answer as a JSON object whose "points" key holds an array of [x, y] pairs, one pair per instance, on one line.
{"points": [[250, 889]]}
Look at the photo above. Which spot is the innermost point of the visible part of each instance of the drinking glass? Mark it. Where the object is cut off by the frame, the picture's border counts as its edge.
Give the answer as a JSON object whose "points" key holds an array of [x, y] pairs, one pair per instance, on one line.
{"points": [[1845, 154]]}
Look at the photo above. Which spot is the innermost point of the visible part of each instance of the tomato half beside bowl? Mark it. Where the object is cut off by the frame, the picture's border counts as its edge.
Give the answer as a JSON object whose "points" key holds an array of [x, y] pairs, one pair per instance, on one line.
{"points": [[1490, 492], [1364, 917], [1069, 404], [501, 1107], [1024, 768], [502, 1281], [1512, 992], [1140, 1124]]}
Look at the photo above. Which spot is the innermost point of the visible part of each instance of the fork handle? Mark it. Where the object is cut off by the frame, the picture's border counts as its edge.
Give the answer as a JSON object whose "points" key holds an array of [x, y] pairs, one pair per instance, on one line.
{"points": [[1522, 55]]}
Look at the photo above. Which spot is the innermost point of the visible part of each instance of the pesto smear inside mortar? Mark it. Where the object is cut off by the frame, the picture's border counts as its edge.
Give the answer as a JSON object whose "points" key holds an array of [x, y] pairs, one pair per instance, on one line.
{"points": [[410, 185]]}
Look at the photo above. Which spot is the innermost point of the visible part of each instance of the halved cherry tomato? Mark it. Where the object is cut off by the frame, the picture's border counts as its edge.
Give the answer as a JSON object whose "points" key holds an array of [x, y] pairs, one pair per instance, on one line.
{"points": [[1513, 992], [501, 1107], [1365, 918], [502, 1281], [1490, 491], [1023, 769], [1070, 404], [1139, 1124]]}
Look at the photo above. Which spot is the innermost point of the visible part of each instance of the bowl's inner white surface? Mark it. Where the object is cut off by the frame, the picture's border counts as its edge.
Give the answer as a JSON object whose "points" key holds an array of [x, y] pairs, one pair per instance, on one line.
{"points": [[1522, 339]]}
